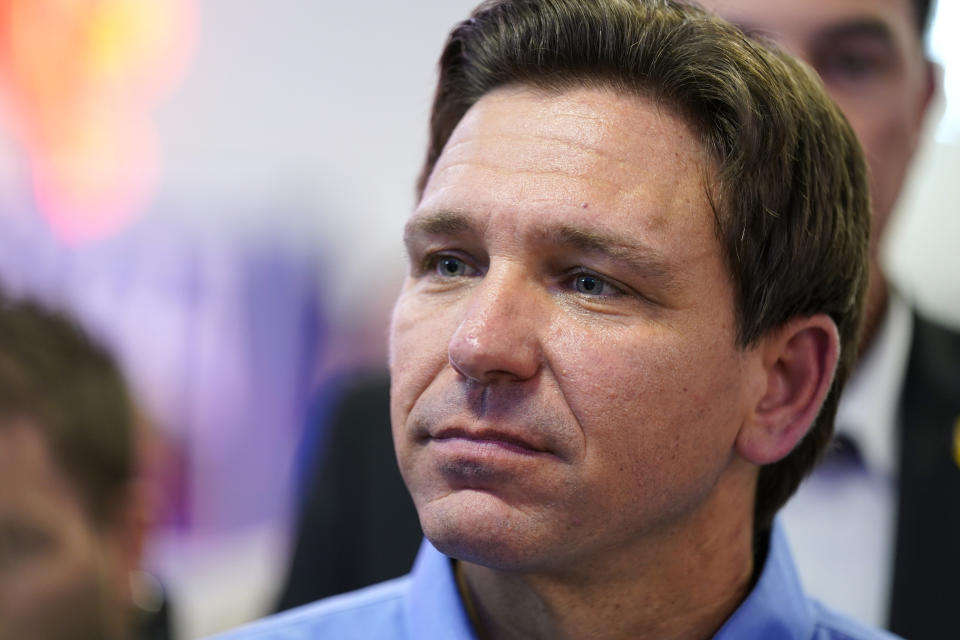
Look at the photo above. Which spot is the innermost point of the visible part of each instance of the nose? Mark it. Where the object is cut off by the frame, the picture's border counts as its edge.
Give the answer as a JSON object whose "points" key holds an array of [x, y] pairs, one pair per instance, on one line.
{"points": [[497, 338]]}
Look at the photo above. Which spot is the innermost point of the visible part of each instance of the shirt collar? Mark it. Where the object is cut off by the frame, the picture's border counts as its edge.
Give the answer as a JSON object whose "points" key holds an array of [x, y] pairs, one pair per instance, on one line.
{"points": [[868, 407], [776, 608], [434, 608]]}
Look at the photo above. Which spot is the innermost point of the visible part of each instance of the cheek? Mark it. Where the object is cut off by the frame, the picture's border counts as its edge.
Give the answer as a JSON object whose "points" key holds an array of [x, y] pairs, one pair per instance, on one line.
{"points": [[889, 146], [55, 581], [662, 398], [419, 335], [889, 137], [69, 607]]}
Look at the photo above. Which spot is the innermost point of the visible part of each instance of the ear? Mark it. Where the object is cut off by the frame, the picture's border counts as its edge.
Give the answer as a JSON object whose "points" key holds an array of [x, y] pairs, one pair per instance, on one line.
{"points": [[798, 363], [125, 533], [139, 519]]}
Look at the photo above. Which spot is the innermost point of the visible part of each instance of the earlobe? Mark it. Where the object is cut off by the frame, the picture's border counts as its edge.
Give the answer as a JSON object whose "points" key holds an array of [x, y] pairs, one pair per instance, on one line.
{"points": [[798, 365]]}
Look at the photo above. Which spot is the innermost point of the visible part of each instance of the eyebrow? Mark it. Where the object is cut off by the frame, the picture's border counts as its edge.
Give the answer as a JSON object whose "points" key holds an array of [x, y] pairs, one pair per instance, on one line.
{"points": [[637, 256], [867, 27], [872, 28], [440, 223]]}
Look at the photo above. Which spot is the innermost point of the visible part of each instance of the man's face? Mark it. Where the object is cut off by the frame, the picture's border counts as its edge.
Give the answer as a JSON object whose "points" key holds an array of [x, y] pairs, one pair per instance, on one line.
{"points": [[870, 57], [566, 381], [56, 574]]}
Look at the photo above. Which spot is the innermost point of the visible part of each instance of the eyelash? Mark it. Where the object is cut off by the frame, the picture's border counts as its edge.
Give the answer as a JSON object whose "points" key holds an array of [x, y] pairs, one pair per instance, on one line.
{"points": [[432, 264], [607, 288], [604, 283], [852, 65]]}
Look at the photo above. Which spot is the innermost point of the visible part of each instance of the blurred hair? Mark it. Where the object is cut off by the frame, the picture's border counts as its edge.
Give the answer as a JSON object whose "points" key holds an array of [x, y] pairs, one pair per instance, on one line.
{"points": [[923, 11], [55, 379], [789, 185]]}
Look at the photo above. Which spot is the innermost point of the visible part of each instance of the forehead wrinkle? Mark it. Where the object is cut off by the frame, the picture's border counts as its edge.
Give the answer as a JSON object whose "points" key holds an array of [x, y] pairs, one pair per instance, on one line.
{"points": [[592, 178], [616, 175], [568, 143]]}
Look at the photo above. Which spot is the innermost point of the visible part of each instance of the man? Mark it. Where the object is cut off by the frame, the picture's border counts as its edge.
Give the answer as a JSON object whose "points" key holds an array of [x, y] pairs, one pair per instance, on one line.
{"points": [[890, 554], [874, 535], [636, 271], [72, 518], [871, 530]]}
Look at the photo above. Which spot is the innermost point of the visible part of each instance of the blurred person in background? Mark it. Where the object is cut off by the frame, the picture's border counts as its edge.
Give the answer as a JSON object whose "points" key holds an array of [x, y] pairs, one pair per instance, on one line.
{"points": [[874, 530], [73, 512]]}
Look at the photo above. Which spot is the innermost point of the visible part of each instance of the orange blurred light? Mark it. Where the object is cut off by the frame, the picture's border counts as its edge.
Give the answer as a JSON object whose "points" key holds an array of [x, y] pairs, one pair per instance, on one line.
{"points": [[80, 78]]}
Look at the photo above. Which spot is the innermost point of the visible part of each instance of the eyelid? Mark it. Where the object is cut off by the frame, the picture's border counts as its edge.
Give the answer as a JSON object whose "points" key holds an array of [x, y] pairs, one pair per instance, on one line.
{"points": [[872, 54], [431, 259], [619, 288], [862, 55]]}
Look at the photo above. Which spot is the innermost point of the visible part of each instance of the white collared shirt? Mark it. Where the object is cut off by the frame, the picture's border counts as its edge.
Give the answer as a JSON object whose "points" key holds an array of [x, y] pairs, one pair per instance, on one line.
{"points": [[841, 524]]}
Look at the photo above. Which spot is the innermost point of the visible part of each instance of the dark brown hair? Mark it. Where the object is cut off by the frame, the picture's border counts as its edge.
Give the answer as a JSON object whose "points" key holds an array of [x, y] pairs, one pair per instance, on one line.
{"points": [[789, 186], [922, 11], [55, 379]]}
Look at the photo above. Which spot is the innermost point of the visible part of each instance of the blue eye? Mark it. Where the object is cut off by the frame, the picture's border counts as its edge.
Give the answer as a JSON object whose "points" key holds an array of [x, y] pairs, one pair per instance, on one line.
{"points": [[590, 285], [450, 267]]}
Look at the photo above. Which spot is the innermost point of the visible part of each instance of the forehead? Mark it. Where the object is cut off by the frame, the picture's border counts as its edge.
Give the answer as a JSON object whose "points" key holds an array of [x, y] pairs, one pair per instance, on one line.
{"points": [[590, 155], [795, 23], [28, 464]]}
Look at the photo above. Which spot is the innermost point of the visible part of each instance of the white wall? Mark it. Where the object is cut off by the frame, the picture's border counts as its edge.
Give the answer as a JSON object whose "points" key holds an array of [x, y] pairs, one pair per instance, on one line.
{"points": [[924, 249]]}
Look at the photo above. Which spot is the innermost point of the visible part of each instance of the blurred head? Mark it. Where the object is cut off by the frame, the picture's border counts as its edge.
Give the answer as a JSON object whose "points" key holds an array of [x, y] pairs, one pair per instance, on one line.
{"points": [[71, 526], [870, 55], [780, 175]]}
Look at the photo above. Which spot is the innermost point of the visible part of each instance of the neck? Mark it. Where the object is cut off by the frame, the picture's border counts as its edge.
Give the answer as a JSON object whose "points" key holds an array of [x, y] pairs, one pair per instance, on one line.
{"points": [[678, 585]]}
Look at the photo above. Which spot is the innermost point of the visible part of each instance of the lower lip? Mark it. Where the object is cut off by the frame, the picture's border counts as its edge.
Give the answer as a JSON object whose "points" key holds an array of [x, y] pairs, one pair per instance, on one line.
{"points": [[482, 448], [481, 464]]}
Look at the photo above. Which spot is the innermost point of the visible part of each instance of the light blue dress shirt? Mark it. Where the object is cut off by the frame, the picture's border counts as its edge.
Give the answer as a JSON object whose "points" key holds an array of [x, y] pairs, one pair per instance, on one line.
{"points": [[425, 605]]}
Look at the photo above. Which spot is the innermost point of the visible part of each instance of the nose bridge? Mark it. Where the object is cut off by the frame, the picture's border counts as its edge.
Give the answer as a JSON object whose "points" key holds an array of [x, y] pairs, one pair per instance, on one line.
{"points": [[497, 332]]}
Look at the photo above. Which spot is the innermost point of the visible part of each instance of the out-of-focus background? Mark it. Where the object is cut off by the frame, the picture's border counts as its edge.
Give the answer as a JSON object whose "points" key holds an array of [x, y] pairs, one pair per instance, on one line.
{"points": [[217, 188]]}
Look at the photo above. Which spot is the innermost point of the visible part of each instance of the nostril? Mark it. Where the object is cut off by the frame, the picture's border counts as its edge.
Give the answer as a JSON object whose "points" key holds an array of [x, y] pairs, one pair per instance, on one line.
{"points": [[459, 369]]}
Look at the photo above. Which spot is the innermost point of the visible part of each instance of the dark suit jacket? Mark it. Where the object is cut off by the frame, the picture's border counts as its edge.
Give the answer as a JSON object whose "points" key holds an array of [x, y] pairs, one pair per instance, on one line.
{"points": [[926, 579], [359, 525]]}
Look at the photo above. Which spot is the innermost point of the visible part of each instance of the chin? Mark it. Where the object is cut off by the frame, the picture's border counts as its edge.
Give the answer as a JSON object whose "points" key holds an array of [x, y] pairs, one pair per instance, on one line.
{"points": [[479, 528]]}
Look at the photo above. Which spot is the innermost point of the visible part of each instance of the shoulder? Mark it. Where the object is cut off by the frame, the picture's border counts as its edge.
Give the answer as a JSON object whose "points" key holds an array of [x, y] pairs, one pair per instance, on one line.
{"points": [[833, 625], [929, 332], [933, 376], [935, 348], [373, 612], [924, 324], [777, 608]]}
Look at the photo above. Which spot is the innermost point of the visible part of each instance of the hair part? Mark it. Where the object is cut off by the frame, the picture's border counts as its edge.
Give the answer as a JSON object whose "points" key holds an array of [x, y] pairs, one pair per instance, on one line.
{"points": [[789, 183], [55, 379]]}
